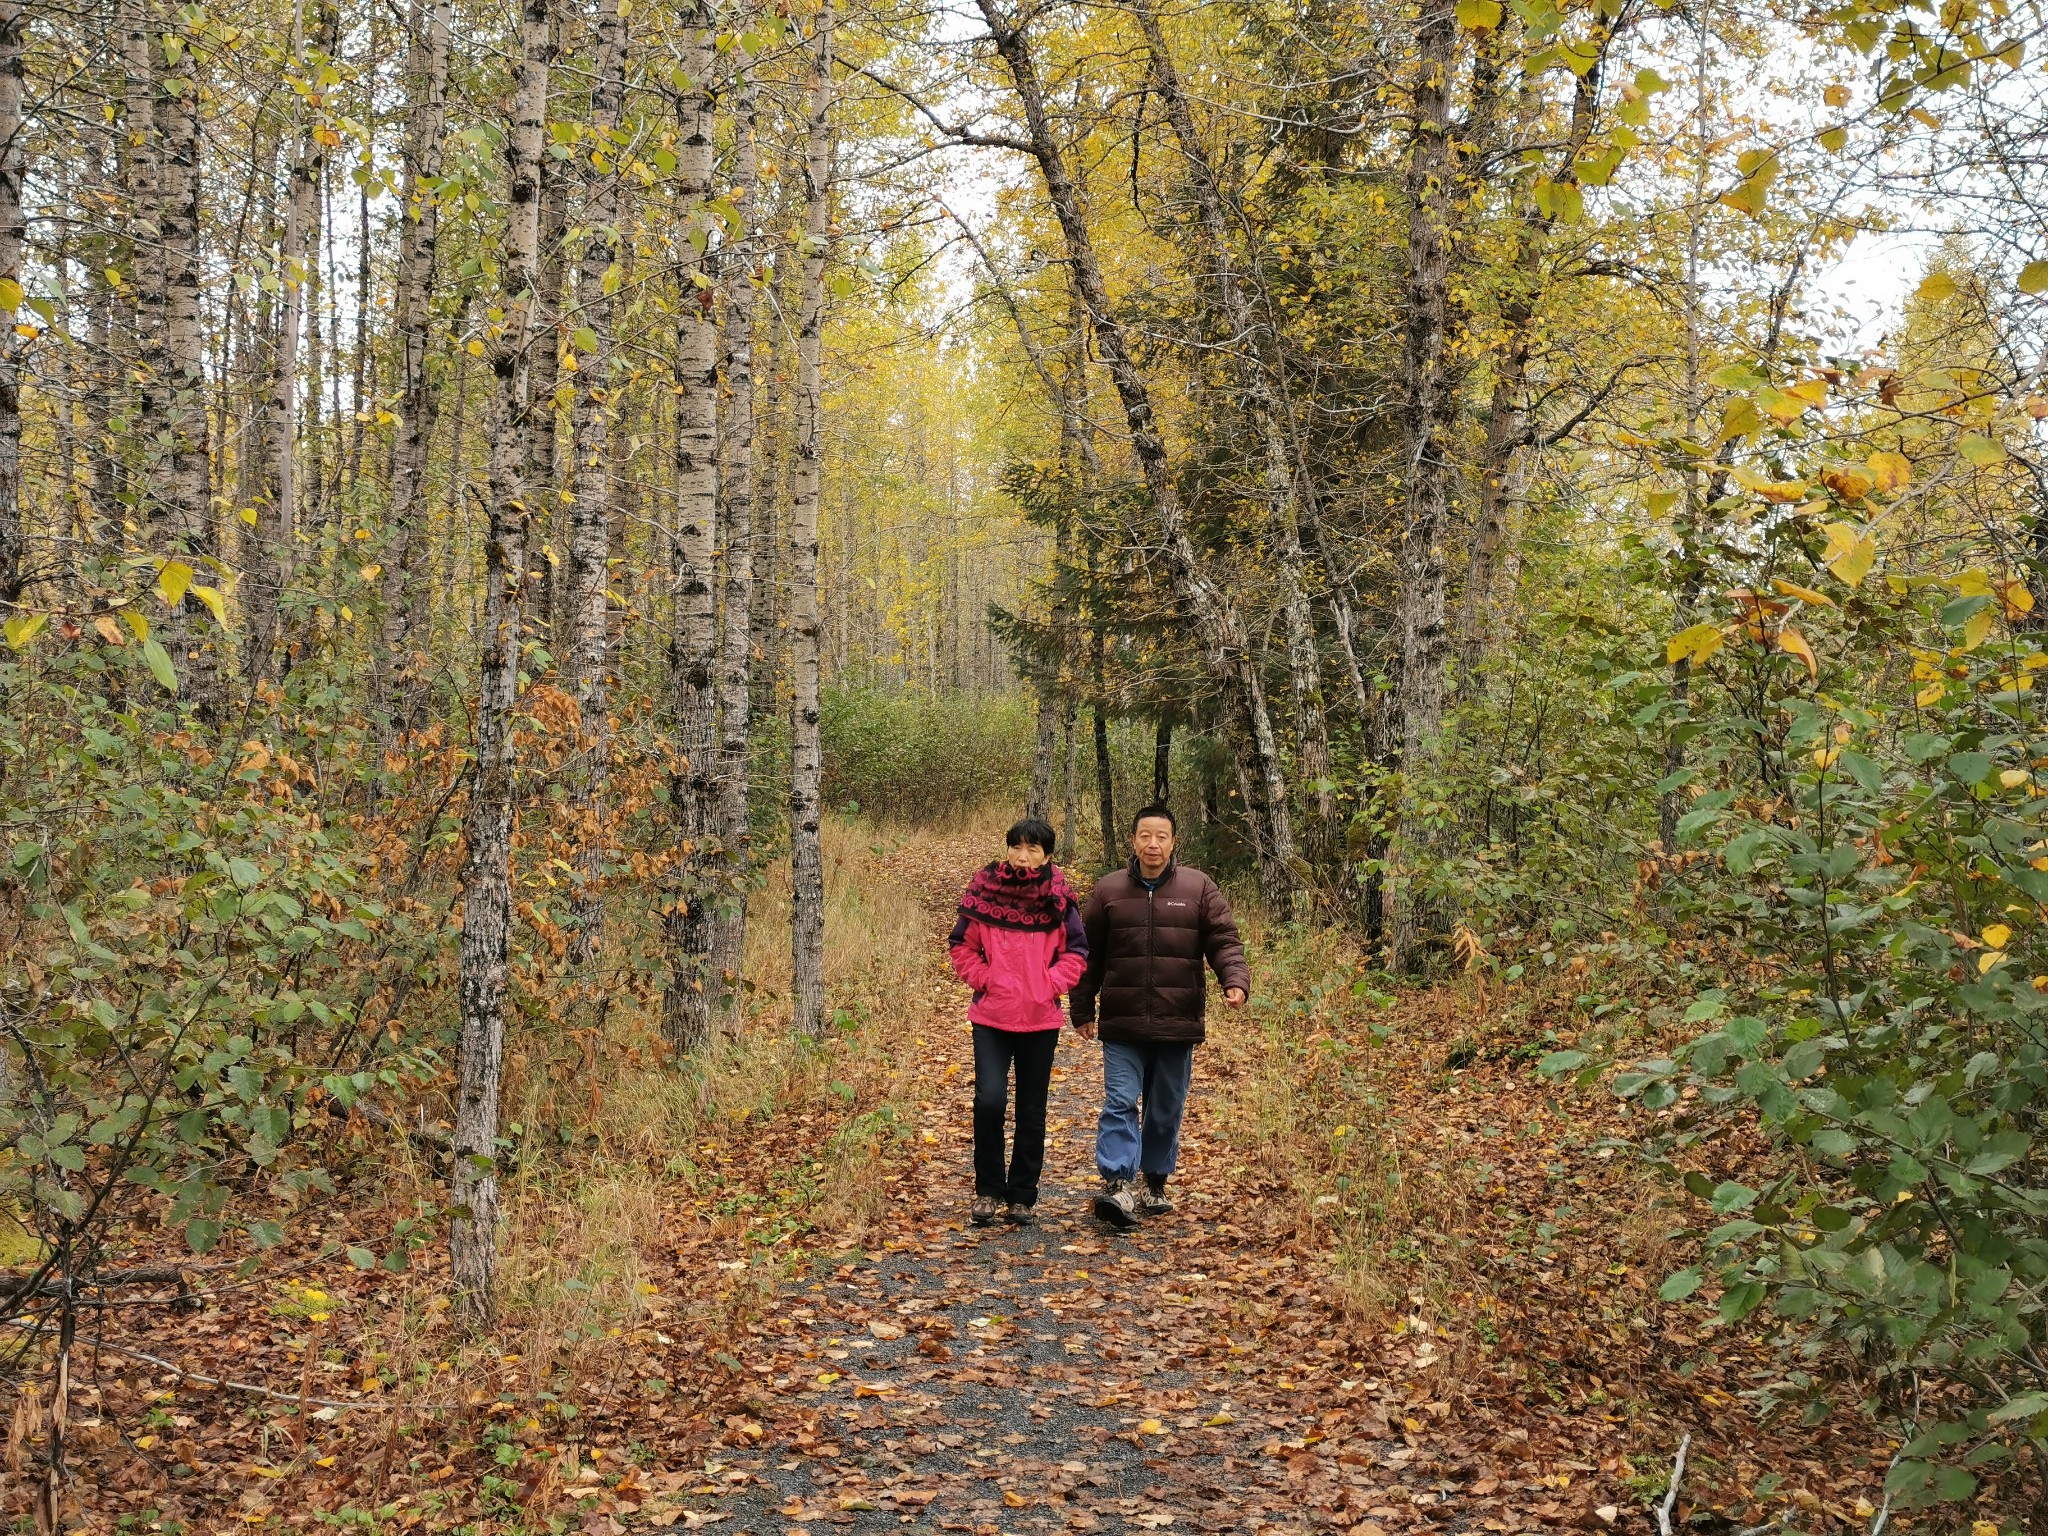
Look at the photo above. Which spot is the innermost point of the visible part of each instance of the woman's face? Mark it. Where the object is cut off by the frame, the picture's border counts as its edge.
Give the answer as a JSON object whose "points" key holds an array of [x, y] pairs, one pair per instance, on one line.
{"points": [[1027, 856]]}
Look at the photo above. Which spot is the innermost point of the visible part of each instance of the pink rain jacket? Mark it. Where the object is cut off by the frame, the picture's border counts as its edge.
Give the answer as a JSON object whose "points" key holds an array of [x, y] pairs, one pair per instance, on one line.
{"points": [[1018, 976]]}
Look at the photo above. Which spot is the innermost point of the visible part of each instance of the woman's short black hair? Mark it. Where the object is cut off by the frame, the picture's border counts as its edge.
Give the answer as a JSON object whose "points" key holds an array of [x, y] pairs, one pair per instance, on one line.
{"points": [[1155, 810], [1032, 830]]}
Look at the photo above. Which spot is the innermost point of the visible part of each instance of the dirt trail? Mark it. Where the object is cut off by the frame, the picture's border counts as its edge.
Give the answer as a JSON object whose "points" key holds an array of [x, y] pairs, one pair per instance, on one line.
{"points": [[1060, 1375]]}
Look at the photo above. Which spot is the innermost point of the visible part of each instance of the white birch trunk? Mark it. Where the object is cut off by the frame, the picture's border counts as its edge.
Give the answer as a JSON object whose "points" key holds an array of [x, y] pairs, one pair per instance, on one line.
{"points": [[487, 878], [807, 865], [588, 662], [693, 657]]}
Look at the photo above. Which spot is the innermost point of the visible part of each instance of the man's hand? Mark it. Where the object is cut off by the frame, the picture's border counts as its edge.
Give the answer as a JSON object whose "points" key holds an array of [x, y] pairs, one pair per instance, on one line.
{"points": [[1234, 997], [1085, 1031]]}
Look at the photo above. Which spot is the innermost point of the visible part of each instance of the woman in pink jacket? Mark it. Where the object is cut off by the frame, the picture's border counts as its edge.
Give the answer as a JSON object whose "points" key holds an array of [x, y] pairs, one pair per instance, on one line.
{"points": [[1019, 944]]}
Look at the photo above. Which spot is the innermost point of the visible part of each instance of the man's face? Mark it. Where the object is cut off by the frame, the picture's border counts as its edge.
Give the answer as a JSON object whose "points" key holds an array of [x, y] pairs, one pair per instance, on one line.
{"points": [[1153, 843]]}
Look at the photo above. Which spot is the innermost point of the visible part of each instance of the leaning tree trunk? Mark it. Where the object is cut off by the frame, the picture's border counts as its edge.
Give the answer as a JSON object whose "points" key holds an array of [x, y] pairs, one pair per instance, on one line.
{"points": [[1260, 376], [590, 516], [807, 865], [1221, 627], [13, 235], [1429, 403], [419, 237], [693, 643], [736, 497], [487, 878]]}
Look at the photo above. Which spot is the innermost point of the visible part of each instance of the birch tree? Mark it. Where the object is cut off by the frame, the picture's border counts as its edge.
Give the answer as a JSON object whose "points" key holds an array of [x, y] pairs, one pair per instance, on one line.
{"points": [[487, 876]]}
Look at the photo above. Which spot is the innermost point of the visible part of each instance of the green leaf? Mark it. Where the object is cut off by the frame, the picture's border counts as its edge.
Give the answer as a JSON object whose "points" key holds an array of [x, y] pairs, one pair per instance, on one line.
{"points": [[160, 667], [201, 1234], [1680, 1285], [265, 1233], [1479, 15], [1557, 1063], [362, 1258], [1981, 451]]}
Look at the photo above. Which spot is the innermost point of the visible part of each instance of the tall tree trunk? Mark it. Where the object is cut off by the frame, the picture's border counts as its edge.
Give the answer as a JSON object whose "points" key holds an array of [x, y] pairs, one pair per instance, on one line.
{"points": [[736, 496], [1162, 762], [1428, 400], [544, 435], [277, 514], [185, 534], [1429, 403], [400, 637], [693, 657], [588, 661], [143, 177], [13, 235], [1260, 375], [487, 878], [1217, 621], [807, 865]]}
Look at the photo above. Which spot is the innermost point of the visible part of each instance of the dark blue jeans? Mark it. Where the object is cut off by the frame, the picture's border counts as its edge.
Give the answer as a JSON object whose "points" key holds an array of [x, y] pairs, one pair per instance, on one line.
{"points": [[1130, 1139], [995, 1050]]}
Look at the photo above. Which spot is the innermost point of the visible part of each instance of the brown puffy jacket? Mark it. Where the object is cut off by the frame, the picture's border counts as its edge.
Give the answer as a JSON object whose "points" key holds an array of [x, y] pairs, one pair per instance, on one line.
{"points": [[1146, 951]]}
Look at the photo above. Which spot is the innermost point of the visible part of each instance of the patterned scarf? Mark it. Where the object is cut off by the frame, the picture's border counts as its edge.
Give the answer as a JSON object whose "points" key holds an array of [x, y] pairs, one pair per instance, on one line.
{"points": [[1035, 901]]}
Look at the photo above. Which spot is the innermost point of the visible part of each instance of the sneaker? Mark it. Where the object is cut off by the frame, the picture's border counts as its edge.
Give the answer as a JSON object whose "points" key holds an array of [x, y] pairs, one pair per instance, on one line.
{"points": [[1021, 1215], [983, 1212], [1117, 1204], [1152, 1199]]}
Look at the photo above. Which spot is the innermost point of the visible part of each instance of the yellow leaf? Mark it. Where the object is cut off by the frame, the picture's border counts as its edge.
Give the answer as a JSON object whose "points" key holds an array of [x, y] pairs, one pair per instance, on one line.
{"points": [[1804, 594], [211, 597], [136, 621], [1151, 1427], [1850, 553], [1836, 96], [1977, 629], [370, 572], [173, 581], [11, 294], [1891, 471], [1988, 959], [1792, 643], [1824, 757], [248, 515], [1937, 287], [1217, 1421], [2034, 277], [1013, 1499], [1984, 1528], [1834, 140], [1982, 451], [826, 1378], [1695, 645], [1997, 936], [2014, 597], [2013, 778], [1972, 583], [1930, 694], [1479, 15], [109, 631]]}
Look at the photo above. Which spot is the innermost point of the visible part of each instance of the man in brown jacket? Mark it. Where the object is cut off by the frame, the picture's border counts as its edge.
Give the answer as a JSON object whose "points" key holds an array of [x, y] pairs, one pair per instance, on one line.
{"points": [[1151, 927]]}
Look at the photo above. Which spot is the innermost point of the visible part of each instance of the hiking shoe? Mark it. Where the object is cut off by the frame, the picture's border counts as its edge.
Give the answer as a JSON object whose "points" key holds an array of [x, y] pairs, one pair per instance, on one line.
{"points": [[1117, 1204], [1152, 1199], [983, 1212], [1021, 1215]]}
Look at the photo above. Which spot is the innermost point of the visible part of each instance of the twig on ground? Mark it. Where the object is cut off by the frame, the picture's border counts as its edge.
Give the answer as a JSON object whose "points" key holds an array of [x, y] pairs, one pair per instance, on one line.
{"points": [[1670, 1503], [237, 1386]]}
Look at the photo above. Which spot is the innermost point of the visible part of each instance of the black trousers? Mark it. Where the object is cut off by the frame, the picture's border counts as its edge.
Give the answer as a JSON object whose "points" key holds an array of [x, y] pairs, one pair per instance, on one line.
{"points": [[994, 1052]]}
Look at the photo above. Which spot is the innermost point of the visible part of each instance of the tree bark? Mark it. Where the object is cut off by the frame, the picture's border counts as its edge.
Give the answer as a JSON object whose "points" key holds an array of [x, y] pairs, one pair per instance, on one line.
{"points": [[544, 435], [142, 176], [1162, 762], [276, 531], [807, 866], [13, 235], [487, 879], [736, 495], [1220, 626], [1429, 401], [588, 660], [185, 532], [419, 237], [693, 654]]}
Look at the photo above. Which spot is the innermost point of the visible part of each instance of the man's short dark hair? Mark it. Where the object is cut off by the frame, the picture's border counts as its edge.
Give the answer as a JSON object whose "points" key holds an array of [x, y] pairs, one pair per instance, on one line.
{"points": [[1035, 830], [1162, 812]]}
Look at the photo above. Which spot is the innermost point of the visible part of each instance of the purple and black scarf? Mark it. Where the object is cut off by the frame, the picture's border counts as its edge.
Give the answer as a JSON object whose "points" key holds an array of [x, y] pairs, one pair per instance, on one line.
{"points": [[1032, 901]]}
